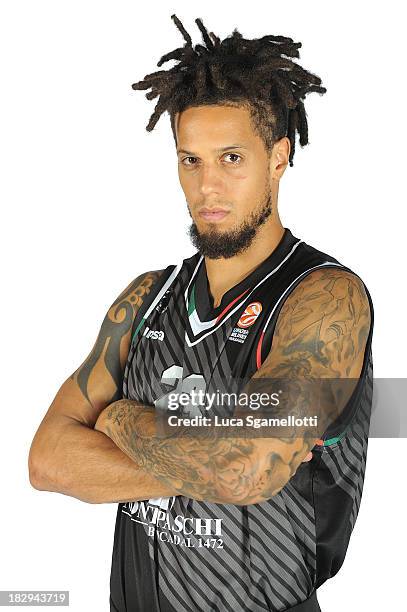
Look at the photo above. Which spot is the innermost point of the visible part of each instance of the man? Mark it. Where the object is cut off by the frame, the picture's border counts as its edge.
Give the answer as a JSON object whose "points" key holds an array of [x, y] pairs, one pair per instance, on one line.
{"points": [[223, 521]]}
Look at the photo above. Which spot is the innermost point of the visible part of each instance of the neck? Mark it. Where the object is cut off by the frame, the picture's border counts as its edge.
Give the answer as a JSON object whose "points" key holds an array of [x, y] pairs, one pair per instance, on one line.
{"points": [[223, 274]]}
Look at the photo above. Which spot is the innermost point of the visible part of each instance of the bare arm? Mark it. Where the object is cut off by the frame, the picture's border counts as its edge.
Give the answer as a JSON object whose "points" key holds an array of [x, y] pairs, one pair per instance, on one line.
{"points": [[321, 332], [193, 466], [67, 454]]}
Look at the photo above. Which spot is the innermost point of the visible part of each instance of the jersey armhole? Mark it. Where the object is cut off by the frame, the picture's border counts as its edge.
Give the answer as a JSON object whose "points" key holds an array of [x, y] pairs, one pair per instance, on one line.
{"points": [[339, 427], [143, 312], [148, 302]]}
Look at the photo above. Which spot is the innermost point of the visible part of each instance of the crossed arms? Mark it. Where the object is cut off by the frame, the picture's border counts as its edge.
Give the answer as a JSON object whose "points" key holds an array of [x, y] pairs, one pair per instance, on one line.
{"points": [[321, 332]]}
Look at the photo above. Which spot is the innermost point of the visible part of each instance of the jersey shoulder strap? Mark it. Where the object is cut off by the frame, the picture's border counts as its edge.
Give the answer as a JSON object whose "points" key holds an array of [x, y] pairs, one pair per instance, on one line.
{"points": [[150, 301]]}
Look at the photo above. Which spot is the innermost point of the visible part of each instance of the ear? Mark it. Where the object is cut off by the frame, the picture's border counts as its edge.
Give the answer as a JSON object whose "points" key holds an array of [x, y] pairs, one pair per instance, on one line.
{"points": [[279, 158]]}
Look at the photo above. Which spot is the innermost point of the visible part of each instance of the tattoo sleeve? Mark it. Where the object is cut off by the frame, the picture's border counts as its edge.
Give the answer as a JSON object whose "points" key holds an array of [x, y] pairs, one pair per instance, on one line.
{"points": [[321, 333], [212, 468]]}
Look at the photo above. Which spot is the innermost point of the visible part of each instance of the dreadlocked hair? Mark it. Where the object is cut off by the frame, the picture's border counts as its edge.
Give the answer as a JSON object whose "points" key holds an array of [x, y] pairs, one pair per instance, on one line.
{"points": [[236, 71]]}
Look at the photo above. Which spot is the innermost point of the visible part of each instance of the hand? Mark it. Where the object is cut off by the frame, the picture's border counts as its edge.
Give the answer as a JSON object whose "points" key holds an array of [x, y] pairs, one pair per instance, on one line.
{"points": [[308, 457]]}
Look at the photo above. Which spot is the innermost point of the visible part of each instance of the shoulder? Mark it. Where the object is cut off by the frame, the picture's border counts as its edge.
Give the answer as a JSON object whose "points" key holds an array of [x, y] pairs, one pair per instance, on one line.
{"points": [[123, 310], [324, 323], [328, 284], [327, 293], [138, 288]]}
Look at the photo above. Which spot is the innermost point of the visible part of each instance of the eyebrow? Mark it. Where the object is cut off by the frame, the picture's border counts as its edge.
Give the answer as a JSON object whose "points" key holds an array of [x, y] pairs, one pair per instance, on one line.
{"points": [[221, 150]]}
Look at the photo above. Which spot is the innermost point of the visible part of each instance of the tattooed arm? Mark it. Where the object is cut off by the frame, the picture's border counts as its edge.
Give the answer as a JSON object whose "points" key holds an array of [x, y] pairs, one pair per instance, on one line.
{"points": [[317, 355], [321, 333], [67, 454]]}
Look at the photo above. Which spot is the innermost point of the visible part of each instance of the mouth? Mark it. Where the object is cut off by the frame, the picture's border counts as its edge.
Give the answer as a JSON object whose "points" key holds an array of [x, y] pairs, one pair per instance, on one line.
{"points": [[213, 214]]}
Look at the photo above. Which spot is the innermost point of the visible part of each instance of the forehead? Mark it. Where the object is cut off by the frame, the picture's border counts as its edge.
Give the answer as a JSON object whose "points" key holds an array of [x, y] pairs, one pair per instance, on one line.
{"points": [[214, 123]]}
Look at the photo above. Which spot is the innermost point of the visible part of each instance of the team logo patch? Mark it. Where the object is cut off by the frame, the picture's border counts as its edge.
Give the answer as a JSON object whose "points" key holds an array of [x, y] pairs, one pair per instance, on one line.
{"points": [[250, 315]]}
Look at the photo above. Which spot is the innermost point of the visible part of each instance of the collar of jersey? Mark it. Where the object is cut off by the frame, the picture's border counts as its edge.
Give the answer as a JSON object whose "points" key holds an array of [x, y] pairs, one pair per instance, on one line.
{"points": [[202, 329], [197, 325]]}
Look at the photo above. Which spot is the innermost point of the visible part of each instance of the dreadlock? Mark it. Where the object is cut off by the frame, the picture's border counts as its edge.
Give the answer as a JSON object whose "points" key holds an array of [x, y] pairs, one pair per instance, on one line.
{"points": [[236, 72]]}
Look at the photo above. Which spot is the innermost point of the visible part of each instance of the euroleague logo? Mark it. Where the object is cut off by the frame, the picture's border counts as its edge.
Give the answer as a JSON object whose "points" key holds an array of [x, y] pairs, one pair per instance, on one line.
{"points": [[250, 315]]}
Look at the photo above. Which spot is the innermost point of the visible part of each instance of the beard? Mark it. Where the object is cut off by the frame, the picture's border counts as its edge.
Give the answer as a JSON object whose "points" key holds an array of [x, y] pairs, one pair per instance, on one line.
{"points": [[214, 244]]}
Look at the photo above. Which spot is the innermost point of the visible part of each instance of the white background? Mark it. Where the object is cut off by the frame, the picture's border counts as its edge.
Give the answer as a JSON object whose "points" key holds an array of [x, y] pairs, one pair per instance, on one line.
{"points": [[90, 200]]}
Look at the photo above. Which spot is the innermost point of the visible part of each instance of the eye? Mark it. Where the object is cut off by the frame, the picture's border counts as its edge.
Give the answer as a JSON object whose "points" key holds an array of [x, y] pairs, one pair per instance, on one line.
{"points": [[235, 163], [189, 157]]}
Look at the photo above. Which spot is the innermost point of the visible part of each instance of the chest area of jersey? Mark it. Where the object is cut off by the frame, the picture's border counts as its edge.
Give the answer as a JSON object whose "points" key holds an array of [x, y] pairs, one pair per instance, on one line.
{"points": [[177, 351]]}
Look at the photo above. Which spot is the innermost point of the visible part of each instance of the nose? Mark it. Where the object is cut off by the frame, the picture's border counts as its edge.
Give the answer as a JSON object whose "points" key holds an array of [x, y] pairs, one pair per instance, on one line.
{"points": [[209, 180]]}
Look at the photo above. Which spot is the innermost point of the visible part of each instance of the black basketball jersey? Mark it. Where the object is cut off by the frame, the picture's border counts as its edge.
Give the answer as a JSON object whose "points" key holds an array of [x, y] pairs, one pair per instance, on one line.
{"points": [[178, 554]]}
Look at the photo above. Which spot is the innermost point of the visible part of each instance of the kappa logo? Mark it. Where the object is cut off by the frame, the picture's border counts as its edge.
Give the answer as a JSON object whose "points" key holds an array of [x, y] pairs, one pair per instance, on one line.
{"points": [[154, 334], [250, 314]]}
